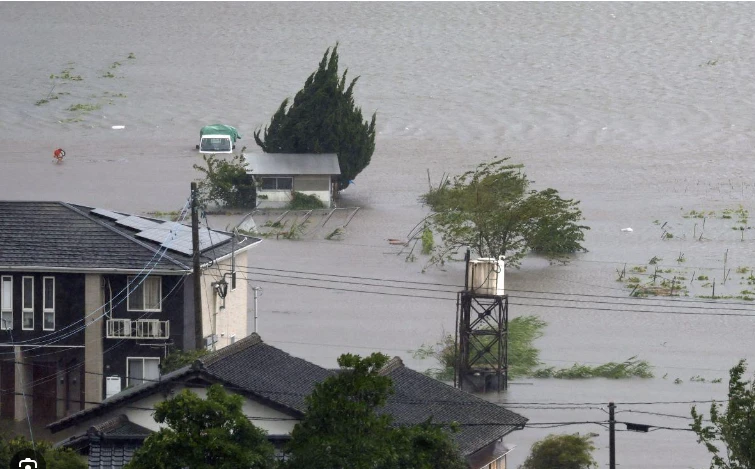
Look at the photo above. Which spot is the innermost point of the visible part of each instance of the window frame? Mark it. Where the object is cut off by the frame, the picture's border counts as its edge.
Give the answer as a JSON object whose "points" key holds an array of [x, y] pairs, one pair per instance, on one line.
{"points": [[142, 379], [45, 309], [4, 311], [27, 310], [132, 290], [276, 178]]}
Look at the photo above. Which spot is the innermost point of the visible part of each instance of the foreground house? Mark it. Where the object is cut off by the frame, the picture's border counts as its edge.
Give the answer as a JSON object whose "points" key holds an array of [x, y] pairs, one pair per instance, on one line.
{"points": [[274, 385], [279, 175], [91, 300]]}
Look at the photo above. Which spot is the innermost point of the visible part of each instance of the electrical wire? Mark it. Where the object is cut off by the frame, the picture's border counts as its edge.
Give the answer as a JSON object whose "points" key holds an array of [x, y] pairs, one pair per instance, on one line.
{"points": [[514, 303], [461, 287], [523, 297]]}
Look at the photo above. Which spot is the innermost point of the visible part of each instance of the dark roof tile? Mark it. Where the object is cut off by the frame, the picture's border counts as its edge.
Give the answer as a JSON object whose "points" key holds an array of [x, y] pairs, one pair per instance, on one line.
{"points": [[60, 235]]}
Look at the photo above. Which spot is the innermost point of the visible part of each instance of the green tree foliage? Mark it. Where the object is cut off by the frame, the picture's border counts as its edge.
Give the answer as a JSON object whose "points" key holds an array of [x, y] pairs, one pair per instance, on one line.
{"points": [[61, 458], [730, 436], [300, 201], [323, 119], [492, 211], [226, 182], [179, 358], [343, 428], [204, 434], [562, 452]]}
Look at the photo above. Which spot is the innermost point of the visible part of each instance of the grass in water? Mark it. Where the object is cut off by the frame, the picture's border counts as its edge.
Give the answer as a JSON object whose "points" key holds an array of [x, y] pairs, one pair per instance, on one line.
{"points": [[524, 357], [83, 107]]}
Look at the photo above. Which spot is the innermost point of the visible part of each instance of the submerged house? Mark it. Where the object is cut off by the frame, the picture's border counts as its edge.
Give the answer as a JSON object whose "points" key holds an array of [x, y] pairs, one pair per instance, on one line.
{"points": [[279, 175], [274, 385], [92, 300]]}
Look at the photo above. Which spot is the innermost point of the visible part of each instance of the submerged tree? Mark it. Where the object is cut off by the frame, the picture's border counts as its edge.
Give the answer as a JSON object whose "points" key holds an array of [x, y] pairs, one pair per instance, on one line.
{"points": [[492, 211], [730, 436], [226, 182], [323, 119], [562, 452]]}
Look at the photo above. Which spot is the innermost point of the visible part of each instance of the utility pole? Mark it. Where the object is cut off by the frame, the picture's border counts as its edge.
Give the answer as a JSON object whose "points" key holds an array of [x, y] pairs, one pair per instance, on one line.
{"points": [[611, 436], [198, 336], [255, 289]]}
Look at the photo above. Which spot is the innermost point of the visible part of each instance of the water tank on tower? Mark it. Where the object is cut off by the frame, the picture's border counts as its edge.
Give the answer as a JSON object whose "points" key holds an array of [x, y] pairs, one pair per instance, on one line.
{"points": [[485, 276]]}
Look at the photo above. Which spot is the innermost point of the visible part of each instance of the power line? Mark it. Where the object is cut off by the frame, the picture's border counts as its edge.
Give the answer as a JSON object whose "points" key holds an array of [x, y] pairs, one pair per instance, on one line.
{"points": [[560, 307], [523, 297], [460, 287]]}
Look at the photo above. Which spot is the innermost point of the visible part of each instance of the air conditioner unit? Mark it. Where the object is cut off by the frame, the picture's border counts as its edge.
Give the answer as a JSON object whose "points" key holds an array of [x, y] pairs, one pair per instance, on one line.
{"points": [[113, 386], [154, 329], [126, 327]]}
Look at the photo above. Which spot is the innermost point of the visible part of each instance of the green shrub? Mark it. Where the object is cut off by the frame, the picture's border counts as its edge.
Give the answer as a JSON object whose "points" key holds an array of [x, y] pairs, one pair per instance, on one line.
{"points": [[427, 241], [305, 202]]}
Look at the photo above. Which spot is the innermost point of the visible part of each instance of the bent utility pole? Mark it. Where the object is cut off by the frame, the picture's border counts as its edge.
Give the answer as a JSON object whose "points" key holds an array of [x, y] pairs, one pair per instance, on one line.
{"points": [[198, 336]]}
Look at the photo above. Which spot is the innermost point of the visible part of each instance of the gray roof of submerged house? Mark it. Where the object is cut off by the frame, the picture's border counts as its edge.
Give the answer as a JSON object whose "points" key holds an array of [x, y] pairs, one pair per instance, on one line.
{"points": [[252, 368], [292, 163], [58, 236]]}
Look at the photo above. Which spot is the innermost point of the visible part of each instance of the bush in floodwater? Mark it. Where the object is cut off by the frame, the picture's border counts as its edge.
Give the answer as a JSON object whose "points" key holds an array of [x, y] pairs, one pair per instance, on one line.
{"points": [[524, 357], [427, 241], [301, 201], [631, 368]]}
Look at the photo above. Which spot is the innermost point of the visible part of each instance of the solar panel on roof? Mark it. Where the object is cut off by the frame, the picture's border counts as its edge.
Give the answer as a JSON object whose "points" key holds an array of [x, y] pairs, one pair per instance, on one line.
{"points": [[160, 234], [137, 223], [108, 214]]}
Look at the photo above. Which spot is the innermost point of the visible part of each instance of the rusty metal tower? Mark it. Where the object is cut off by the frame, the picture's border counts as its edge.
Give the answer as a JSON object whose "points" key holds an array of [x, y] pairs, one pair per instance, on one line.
{"points": [[482, 320]]}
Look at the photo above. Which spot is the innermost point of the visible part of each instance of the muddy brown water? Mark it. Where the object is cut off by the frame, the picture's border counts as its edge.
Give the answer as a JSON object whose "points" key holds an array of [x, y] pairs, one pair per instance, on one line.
{"points": [[641, 111]]}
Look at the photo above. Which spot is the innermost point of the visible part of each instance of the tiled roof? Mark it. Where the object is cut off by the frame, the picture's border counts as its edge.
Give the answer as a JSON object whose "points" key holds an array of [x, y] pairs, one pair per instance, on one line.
{"points": [[266, 371], [418, 397], [123, 397], [111, 454], [254, 368], [120, 427], [57, 235]]}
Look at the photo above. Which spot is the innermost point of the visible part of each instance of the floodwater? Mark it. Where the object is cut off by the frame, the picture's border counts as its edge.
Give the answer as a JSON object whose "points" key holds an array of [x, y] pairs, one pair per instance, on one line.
{"points": [[642, 111]]}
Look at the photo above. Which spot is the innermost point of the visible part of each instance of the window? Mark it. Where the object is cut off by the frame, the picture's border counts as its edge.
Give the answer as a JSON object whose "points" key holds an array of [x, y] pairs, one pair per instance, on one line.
{"points": [[6, 302], [280, 184], [145, 296], [48, 303], [27, 308], [142, 369]]}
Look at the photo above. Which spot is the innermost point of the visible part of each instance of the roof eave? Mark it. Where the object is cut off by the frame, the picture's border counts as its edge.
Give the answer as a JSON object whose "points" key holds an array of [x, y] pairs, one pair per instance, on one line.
{"points": [[88, 270]]}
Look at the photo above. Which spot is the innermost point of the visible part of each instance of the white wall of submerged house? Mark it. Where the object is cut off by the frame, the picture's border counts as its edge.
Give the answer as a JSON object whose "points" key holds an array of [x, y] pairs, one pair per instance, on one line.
{"points": [[319, 186]]}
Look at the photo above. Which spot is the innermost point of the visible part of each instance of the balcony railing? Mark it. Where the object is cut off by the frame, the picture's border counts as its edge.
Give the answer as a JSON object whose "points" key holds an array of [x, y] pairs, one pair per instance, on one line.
{"points": [[138, 329]]}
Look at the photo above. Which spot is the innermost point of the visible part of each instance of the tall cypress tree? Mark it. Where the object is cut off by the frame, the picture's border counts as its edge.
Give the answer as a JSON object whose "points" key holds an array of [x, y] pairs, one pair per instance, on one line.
{"points": [[323, 119]]}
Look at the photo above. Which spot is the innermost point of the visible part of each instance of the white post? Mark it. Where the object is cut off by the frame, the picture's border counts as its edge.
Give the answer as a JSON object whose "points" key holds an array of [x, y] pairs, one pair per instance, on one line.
{"points": [[252, 322], [255, 307]]}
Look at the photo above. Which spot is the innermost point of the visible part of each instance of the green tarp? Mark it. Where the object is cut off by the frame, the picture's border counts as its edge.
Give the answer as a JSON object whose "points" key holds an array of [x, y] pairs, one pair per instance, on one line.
{"points": [[220, 129]]}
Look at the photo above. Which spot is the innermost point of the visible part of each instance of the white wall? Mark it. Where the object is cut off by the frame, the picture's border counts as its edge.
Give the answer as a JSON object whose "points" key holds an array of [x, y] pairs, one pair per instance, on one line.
{"points": [[232, 319], [136, 413]]}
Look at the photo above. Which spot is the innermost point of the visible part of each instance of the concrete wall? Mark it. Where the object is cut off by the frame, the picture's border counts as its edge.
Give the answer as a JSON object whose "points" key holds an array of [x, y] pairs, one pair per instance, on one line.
{"points": [[232, 320], [93, 360]]}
